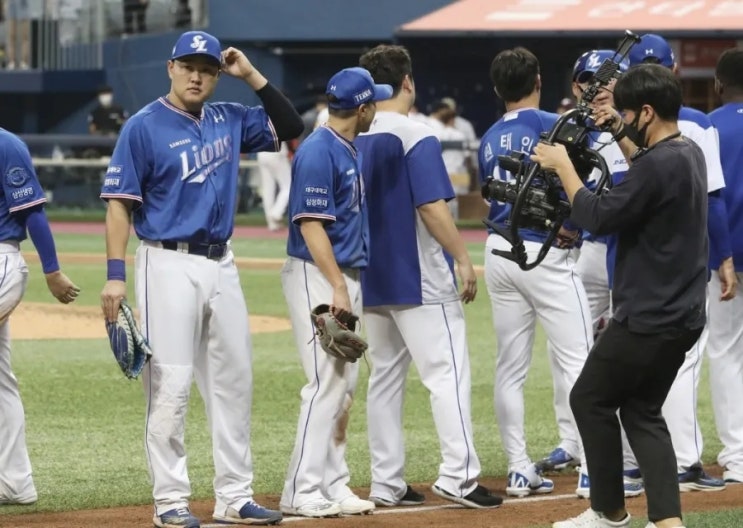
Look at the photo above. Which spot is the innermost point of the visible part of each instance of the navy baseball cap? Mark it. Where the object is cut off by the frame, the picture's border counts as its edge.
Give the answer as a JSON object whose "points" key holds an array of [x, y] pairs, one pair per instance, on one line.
{"points": [[197, 43], [353, 87], [654, 46], [590, 62]]}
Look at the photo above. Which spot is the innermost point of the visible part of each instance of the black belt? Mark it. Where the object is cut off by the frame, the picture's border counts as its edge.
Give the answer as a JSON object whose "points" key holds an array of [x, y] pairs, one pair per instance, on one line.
{"points": [[210, 251]]}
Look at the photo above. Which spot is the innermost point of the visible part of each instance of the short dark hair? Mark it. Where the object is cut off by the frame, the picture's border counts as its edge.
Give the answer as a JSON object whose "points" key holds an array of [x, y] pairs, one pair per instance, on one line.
{"points": [[341, 113], [649, 84], [388, 64], [514, 73], [729, 69]]}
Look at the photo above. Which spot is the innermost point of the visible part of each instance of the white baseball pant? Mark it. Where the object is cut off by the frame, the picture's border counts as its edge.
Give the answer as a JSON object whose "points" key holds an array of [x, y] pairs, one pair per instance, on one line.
{"points": [[276, 178], [553, 293], [433, 337], [317, 469], [16, 482], [725, 349], [194, 315]]}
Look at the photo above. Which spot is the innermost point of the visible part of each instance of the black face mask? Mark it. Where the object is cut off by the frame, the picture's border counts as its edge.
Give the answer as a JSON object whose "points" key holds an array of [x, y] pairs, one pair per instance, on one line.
{"points": [[637, 136]]}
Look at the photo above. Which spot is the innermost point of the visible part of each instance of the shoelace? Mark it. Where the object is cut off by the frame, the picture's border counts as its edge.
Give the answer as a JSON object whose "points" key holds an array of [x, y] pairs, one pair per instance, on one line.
{"points": [[585, 518]]}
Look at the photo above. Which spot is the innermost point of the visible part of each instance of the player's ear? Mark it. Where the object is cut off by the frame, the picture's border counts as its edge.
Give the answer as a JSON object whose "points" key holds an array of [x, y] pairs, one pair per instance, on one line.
{"points": [[577, 92], [718, 87], [675, 68], [407, 84], [171, 65], [538, 83]]}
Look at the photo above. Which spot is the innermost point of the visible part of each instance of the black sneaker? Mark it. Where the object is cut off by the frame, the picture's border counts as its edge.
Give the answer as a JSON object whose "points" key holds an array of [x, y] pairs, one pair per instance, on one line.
{"points": [[479, 498], [411, 498]]}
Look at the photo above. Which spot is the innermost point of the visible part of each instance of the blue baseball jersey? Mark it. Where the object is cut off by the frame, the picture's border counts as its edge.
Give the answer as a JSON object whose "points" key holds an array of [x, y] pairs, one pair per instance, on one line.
{"points": [[181, 169], [20, 188], [697, 126], [605, 145], [327, 185], [517, 130], [403, 170], [728, 120]]}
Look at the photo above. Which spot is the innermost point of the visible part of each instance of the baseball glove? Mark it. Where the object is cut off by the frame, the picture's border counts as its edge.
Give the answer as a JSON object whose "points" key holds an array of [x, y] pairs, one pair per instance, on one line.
{"points": [[336, 335], [129, 346]]}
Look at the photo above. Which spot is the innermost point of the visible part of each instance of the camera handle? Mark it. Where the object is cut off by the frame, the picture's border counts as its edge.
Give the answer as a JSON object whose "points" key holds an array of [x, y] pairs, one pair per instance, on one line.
{"points": [[517, 253]]}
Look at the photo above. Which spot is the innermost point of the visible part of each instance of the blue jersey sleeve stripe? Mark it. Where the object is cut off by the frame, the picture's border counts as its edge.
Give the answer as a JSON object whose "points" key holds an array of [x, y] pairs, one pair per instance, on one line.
{"points": [[106, 196], [276, 142], [27, 205], [318, 216]]}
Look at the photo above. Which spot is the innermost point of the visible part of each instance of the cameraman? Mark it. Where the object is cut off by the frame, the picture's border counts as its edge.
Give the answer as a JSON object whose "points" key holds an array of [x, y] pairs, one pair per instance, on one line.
{"points": [[659, 212], [551, 292], [592, 263]]}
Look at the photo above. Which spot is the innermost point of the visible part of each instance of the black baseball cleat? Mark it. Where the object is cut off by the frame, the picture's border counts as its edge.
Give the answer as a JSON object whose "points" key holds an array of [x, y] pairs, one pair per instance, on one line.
{"points": [[411, 498], [479, 498]]}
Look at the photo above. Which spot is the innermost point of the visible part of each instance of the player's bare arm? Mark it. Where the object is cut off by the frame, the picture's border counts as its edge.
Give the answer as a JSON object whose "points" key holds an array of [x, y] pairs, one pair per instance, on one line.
{"points": [[63, 289], [728, 279], [236, 64], [607, 116], [321, 250], [439, 222], [118, 224]]}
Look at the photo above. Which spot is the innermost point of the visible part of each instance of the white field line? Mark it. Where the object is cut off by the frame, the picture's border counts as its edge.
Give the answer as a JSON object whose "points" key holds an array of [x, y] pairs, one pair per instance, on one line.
{"points": [[419, 509]]}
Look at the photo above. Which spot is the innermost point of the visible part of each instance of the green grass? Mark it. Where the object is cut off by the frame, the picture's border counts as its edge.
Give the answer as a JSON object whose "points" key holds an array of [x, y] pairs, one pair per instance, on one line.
{"points": [[86, 421], [254, 248]]}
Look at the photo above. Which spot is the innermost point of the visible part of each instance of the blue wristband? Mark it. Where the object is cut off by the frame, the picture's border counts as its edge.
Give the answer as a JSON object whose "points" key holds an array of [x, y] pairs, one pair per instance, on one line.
{"points": [[116, 269]]}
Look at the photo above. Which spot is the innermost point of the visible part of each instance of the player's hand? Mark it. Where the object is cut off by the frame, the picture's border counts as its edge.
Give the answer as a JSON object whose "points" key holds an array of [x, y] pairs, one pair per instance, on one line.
{"points": [[728, 279], [341, 302], [113, 293], [566, 239], [551, 156], [236, 64], [63, 289], [469, 282], [607, 117]]}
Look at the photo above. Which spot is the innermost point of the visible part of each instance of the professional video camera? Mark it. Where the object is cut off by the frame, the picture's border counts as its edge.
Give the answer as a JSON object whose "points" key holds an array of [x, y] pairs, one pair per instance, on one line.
{"points": [[537, 196]]}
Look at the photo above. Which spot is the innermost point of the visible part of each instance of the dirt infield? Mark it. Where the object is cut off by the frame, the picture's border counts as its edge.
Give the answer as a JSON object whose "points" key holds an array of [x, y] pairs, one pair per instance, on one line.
{"points": [[435, 513], [86, 322]]}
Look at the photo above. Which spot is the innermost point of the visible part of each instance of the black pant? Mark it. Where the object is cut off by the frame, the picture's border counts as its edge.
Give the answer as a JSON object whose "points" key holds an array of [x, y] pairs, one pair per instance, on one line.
{"points": [[135, 11], [632, 373]]}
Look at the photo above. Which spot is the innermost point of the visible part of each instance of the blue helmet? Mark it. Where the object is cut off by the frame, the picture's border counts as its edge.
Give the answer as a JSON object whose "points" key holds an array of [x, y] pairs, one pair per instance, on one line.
{"points": [[653, 47], [590, 62]]}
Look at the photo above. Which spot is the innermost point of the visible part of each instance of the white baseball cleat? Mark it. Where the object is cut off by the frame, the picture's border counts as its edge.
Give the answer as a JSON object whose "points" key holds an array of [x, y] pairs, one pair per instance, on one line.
{"points": [[353, 505], [314, 509], [592, 519]]}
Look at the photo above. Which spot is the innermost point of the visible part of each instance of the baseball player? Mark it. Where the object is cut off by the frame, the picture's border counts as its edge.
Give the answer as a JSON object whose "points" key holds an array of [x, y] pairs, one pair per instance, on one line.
{"points": [[328, 246], [592, 267], [21, 209], [680, 407], [174, 168], [276, 174], [725, 345], [412, 308], [552, 292]]}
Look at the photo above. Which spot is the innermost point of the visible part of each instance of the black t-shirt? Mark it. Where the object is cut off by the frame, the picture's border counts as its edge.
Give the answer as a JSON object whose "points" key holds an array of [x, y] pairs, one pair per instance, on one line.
{"points": [[109, 119], [659, 214]]}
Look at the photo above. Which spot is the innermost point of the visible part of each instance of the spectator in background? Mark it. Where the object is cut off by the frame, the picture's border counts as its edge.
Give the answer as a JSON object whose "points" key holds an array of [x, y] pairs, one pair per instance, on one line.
{"points": [[276, 177], [183, 14], [18, 26], [442, 121], [315, 116], [135, 14], [466, 128], [566, 104], [419, 116], [107, 118]]}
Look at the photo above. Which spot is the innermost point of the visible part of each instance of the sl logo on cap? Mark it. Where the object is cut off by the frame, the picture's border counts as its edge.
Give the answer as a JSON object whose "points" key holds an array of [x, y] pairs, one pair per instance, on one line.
{"points": [[199, 43]]}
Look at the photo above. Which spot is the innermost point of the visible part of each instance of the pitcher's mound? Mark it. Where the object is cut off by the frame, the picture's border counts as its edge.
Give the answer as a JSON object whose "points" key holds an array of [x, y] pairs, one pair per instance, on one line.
{"points": [[55, 321]]}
